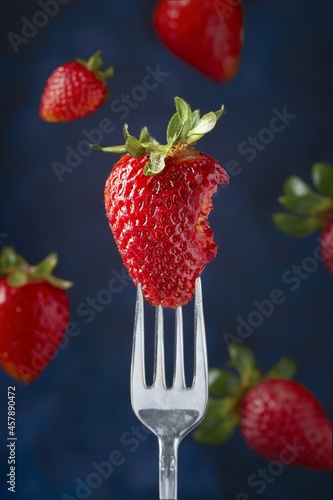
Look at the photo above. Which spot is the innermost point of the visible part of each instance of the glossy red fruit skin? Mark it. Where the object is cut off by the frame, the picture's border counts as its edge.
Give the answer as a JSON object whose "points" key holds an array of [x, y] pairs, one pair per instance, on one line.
{"points": [[164, 241], [33, 320], [282, 420], [206, 34], [70, 93], [326, 244]]}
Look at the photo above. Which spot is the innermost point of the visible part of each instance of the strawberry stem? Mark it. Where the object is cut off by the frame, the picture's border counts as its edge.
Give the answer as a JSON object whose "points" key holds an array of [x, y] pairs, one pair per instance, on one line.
{"points": [[19, 272], [184, 129], [94, 64]]}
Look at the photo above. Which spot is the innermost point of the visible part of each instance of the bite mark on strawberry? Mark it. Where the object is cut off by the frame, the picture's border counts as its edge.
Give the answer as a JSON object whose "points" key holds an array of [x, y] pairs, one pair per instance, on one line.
{"points": [[157, 200]]}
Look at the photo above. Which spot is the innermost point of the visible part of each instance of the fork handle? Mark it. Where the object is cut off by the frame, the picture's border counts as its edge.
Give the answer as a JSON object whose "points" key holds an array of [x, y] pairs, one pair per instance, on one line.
{"points": [[168, 449]]}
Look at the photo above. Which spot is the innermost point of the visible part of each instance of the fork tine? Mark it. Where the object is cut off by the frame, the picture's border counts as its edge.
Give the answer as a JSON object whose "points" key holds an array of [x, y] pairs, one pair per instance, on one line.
{"points": [[138, 377], [200, 361], [179, 374], [159, 368]]}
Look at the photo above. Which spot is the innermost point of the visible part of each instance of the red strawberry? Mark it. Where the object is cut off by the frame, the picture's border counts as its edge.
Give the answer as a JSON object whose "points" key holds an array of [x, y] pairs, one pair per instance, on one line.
{"points": [[34, 312], [279, 419], [74, 90], [282, 420], [327, 245], [157, 200], [206, 34]]}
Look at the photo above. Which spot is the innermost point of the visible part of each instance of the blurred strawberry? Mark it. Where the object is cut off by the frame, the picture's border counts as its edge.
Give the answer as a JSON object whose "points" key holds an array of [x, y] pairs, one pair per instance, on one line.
{"points": [[277, 417], [311, 211], [75, 89], [327, 245], [34, 313], [206, 34]]}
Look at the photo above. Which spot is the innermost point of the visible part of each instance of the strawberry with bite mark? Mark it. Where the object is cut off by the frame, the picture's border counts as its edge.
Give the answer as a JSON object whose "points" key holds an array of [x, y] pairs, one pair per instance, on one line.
{"points": [[157, 201], [75, 90], [34, 313]]}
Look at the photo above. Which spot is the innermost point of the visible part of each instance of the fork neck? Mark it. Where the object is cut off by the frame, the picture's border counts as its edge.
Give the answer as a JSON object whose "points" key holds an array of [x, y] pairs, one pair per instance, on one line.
{"points": [[168, 448]]}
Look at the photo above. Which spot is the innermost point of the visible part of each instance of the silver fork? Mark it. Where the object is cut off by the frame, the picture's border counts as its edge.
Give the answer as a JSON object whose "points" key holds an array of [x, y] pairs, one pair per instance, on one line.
{"points": [[170, 413]]}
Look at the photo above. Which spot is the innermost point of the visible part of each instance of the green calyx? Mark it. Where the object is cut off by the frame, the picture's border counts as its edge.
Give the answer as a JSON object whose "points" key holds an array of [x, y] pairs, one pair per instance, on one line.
{"points": [[227, 389], [308, 210], [20, 273], [185, 128], [94, 64]]}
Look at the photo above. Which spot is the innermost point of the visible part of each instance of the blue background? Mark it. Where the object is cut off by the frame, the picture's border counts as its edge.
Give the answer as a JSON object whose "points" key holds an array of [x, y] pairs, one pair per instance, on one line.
{"points": [[78, 411]]}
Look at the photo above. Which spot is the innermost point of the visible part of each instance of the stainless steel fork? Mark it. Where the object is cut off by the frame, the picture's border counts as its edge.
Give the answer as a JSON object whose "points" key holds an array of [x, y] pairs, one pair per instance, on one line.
{"points": [[170, 413]]}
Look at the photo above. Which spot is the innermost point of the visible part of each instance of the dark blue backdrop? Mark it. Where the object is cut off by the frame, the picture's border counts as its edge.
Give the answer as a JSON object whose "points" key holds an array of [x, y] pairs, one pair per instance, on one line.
{"points": [[78, 412]]}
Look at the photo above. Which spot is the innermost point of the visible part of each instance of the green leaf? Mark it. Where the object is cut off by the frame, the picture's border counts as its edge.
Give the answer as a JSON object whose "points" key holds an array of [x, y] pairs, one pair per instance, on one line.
{"points": [[294, 185], [95, 61], [58, 282], [242, 358], [134, 147], [307, 204], [9, 259], [206, 123], [109, 149], [81, 61], [183, 110], [144, 135], [17, 279], [294, 225], [219, 113], [174, 129], [108, 73], [284, 368], [322, 176], [156, 164], [218, 434], [185, 117], [147, 140], [94, 64], [126, 133], [218, 424], [195, 118], [45, 267], [223, 383], [154, 141]]}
